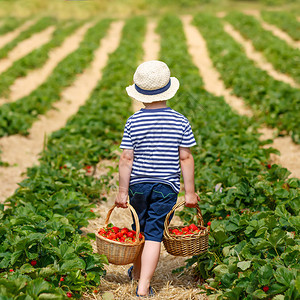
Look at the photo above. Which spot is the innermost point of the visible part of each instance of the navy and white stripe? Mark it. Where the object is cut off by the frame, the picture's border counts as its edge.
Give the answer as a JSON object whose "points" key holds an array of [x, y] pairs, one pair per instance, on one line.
{"points": [[155, 135]]}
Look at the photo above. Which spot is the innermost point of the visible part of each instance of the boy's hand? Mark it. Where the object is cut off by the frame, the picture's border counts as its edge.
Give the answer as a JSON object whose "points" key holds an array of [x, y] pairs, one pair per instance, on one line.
{"points": [[191, 200], [121, 199]]}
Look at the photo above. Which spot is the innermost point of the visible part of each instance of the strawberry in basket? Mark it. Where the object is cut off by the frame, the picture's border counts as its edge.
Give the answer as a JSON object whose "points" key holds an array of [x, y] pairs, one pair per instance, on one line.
{"points": [[187, 230], [123, 235]]}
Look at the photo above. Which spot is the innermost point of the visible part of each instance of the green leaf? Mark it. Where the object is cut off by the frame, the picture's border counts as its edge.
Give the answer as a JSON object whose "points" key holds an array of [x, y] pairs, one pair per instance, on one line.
{"points": [[284, 276], [265, 274], [244, 265], [73, 264], [220, 270], [27, 268], [37, 286], [260, 294], [279, 297]]}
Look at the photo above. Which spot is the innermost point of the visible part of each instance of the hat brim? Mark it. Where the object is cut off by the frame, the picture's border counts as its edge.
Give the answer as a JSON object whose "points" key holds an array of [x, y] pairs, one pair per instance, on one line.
{"points": [[168, 94]]}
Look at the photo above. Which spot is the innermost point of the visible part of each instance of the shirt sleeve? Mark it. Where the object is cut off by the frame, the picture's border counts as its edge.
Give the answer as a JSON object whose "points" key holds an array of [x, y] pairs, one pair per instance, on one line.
{"points": [[188, 139], [126, 140]]}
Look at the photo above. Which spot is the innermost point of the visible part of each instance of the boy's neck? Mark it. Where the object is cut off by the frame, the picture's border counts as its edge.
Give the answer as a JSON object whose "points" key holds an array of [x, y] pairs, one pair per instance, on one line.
{"points": [[157, 104]]}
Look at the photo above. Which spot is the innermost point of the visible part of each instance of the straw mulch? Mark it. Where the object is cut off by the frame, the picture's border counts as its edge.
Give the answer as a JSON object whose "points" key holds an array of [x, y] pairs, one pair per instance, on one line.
{"points": [[116, 284]]}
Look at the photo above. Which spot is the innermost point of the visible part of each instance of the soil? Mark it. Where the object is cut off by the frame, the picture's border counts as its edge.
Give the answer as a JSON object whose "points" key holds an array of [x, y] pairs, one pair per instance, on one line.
{"points": [[8, 37], [22, 152], [290, 152], [258, 57], [23, 86], [26, 46]]}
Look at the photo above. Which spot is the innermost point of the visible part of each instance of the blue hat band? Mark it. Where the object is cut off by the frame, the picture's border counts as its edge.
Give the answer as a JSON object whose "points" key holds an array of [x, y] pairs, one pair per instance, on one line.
{"points": [[153, 92]]}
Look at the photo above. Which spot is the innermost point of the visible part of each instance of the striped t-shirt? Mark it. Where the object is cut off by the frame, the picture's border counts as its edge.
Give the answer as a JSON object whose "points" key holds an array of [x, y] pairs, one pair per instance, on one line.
{"points": [[155, 135]]}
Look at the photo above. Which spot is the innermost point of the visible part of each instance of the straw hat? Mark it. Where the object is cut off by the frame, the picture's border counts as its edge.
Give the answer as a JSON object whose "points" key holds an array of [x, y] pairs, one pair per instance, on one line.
{"points": [[152, 82]]}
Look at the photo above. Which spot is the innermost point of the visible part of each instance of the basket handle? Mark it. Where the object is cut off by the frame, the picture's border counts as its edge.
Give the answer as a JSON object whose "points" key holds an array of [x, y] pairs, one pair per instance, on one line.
{"points": [[137, 223], [178, 204]]}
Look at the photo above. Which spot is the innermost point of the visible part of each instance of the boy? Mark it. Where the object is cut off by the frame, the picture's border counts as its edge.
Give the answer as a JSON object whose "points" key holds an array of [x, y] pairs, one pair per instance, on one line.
{"points": [[156, 138]]}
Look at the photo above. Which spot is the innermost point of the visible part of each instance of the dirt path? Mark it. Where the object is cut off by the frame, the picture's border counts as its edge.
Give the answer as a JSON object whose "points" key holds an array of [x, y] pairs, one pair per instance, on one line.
{"points": [[290, 152], [116, 283], [8, 37], [275, 30], [280, 34], [24, 151], [211, 78], [25, 85], [258, 57], [26, 46], [151, 48]]}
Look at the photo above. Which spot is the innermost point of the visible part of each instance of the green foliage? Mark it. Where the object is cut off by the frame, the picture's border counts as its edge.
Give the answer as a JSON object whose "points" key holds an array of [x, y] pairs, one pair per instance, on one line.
{"points": [[18, 116], [10, 24], [283, 57], [285, 21], [37, 57], [40, 25], [253, 209], [274, 102], [42, 220]]}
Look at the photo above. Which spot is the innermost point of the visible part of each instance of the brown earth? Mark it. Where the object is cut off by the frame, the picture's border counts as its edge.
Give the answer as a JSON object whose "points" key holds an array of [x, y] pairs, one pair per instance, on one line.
{"points": [[8, 37], [26, 46], [258, 57], [23, 151], [25, 85], [290, 152], [116, 283]]}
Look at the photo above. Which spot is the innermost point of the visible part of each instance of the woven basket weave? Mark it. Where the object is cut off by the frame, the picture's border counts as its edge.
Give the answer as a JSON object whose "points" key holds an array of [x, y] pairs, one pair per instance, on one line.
{"points": [[185, 245], [116, 252]]}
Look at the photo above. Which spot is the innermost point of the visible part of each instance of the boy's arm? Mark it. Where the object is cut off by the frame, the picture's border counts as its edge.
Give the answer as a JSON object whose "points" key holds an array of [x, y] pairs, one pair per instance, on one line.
{"points": [[187, 168], [125, 166]]}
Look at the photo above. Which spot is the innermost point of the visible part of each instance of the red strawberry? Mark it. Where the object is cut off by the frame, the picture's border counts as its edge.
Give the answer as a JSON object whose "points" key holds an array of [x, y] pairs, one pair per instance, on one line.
{"points": [[91, 210], [185, 229], [265, 288], [11, 270], [33, 263], [208, 223], [69, 295], [269, 166], [115, 229], [130, 234], [193, 227], [61, 279], [140, 236]]}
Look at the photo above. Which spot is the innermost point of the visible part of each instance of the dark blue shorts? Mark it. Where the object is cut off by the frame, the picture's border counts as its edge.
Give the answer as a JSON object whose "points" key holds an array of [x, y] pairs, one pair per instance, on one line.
{"points": [[152, 202]]}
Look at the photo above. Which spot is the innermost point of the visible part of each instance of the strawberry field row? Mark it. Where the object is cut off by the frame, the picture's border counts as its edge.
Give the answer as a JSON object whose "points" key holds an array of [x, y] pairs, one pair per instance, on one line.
{"points": [[37, 57], [274, 102], [18, 116], [11, 23], [283, 57], [40, 25], [252, 207], [283, 20], [40, 230]]}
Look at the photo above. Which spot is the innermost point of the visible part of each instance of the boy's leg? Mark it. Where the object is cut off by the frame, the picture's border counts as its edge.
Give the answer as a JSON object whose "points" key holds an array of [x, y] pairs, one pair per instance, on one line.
{"points": [[149, 260], [162, 200], [137, 266]]}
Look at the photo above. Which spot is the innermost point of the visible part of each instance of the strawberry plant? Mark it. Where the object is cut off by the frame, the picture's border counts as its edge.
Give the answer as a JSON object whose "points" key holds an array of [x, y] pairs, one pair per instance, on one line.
{"points": [[283, 20], [283, 57], [252, 210], [40, 25], [40, 237], [10, 24], [266, 96], [37, 57], [18, 116]]}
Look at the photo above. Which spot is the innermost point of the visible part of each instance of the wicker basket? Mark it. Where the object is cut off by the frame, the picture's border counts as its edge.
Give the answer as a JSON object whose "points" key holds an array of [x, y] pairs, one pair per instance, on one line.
{"points": [[116, 252], [185, 245]]}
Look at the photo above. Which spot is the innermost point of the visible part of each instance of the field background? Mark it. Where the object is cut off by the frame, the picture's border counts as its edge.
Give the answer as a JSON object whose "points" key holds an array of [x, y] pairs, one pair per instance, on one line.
{"points": [[92, 172]]}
